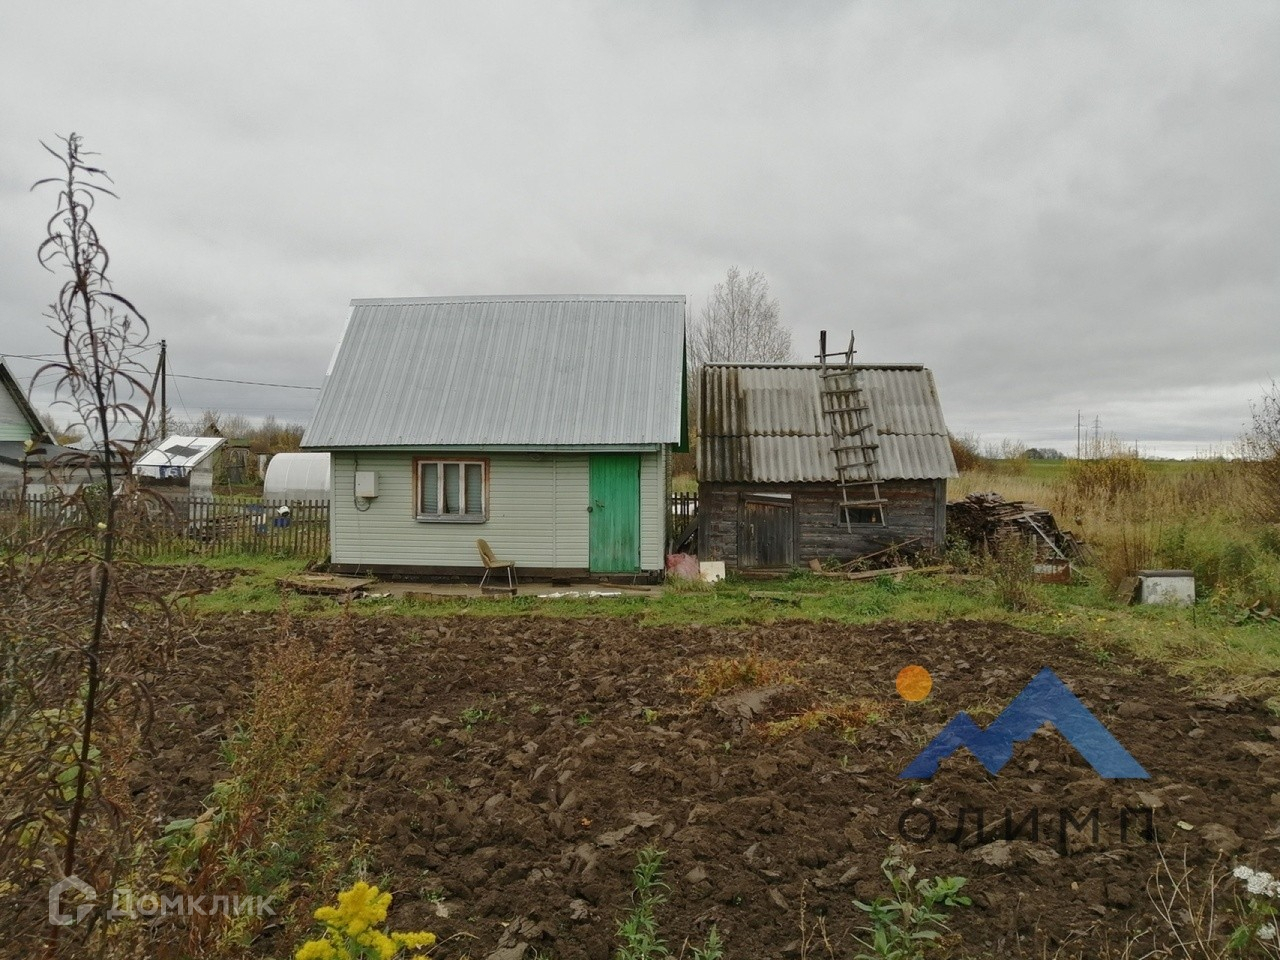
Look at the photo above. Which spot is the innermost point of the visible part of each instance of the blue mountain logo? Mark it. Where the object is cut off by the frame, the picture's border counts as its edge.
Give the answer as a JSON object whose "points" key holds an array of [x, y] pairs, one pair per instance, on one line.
{"points": [[1046, 699]]}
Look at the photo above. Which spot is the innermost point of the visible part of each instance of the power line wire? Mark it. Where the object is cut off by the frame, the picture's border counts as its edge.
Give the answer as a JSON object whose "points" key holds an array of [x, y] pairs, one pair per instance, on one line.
{"points": [[183, 376], [168, 372], [253, 383]]}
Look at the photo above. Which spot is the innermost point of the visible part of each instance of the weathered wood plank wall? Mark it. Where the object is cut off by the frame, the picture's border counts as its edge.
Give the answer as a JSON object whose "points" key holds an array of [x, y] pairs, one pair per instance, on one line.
{"points": [[916, 508]]}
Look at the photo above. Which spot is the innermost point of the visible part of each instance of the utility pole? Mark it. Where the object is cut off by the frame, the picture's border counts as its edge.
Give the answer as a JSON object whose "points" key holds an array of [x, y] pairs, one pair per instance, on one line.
{"points": [[1078, 423], [163, 372]]}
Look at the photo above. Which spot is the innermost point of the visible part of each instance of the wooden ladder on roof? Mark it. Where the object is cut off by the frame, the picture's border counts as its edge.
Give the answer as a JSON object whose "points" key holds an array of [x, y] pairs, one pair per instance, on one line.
{"points": [[853, 443]]}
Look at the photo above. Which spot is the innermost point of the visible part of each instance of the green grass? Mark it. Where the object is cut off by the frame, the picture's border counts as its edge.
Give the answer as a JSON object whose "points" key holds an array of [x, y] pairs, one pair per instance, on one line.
{"points": [[1183, 514], [1203, 643], [1054, 471], [254, 590]]}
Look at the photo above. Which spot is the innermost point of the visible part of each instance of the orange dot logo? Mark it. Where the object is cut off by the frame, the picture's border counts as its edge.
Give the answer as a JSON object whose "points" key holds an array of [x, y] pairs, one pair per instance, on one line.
{"points": [[914, 683]]}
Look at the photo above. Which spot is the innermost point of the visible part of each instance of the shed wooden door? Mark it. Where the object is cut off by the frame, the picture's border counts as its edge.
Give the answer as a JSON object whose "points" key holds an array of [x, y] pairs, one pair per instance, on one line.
{"points": [[614, 490], [766, 532]]}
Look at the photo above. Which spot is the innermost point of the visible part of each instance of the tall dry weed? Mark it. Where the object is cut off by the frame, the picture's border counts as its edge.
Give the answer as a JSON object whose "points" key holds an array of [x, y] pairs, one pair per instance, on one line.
{"points": [[264, 831], [1106, 479], [45, 624], [1011, 567], [1198, 516]]}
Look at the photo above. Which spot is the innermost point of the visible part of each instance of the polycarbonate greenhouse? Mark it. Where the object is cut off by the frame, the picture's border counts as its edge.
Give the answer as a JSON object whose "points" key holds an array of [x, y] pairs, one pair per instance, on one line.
{"points": [[297, 476]]}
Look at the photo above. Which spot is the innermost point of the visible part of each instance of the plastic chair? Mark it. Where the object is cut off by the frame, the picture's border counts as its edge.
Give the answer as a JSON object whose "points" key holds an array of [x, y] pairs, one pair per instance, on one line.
{"points": [[491, 563]]}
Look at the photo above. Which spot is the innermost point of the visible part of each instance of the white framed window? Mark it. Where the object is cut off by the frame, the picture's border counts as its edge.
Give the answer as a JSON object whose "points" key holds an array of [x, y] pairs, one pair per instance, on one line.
{"points": [[452, 491]]}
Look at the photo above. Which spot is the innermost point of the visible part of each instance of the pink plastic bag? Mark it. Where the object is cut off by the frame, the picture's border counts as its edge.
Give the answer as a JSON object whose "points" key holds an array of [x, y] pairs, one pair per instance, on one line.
{"points": [[684, 566]]}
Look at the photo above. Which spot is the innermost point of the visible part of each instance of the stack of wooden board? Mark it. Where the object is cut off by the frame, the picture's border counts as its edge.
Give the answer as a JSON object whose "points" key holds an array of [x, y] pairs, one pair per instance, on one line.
{"points": [[981, 518]]}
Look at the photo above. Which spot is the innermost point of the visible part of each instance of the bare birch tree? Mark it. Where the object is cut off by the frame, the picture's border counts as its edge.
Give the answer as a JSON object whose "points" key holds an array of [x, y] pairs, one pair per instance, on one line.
{"points": [[740, 322]]}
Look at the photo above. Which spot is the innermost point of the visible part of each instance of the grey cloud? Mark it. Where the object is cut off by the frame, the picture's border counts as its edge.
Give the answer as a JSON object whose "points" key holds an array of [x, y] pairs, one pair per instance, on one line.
{"points": [[1054, 206]]}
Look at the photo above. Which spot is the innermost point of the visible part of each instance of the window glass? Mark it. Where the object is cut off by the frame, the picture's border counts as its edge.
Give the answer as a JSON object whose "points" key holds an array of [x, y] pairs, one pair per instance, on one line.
{"points": [[475, 488], [430, 488], [451, 488], [861, 515]]}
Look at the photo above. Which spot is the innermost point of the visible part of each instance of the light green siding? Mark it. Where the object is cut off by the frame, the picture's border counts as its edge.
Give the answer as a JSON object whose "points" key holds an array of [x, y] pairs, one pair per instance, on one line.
{"points": [[653, 510], [537, 513], [13, 420]]}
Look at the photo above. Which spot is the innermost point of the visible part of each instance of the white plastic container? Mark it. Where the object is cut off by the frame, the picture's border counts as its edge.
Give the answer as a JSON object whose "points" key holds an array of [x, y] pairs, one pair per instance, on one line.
{"points": [[1167, 586], [712, 570]]}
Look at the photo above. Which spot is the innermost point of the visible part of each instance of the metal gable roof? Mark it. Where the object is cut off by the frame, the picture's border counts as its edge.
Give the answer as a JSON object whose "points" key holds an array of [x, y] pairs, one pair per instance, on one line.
{"points": [[512, 370], [764, 424]]}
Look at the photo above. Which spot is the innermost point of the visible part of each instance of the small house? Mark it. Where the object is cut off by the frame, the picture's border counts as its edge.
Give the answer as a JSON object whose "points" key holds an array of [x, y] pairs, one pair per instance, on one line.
{"points": [[31, 463], [801, 462], [20, 431], [542, 424]]}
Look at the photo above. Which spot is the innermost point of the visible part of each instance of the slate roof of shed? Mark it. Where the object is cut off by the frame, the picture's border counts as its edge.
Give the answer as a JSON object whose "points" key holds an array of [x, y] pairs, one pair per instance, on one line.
{"points": [[505, 371], [763, 423]]}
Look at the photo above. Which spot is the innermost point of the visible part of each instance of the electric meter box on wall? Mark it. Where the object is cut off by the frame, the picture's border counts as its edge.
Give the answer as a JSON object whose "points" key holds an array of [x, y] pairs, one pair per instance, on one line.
{"points": [[366, 484]]}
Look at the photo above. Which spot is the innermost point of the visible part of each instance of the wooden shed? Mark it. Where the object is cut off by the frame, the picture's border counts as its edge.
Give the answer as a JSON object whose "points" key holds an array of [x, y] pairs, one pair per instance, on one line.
{"points": [[543, 424], [777, 485]]}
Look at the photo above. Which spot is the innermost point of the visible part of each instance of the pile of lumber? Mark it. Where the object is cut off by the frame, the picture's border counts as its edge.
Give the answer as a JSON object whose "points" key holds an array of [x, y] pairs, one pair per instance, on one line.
{"points": [[980, 519], [325, 584]]}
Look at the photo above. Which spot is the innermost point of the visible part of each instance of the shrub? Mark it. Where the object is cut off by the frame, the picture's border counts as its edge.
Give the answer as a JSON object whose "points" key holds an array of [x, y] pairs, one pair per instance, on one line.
{"points": [[1011, 567], [1260, 446], [1107, 478], [964, 449], [1126, 549]]}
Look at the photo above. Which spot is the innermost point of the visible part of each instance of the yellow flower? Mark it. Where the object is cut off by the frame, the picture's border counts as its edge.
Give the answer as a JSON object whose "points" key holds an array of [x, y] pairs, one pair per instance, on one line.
{"points": [[316, 950], [353, 929], [358, 909], [411, 940], [379, 941]]}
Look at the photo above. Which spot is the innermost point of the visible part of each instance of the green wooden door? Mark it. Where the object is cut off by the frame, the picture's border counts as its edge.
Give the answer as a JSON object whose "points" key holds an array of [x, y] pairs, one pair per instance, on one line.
{"points": [[615, 512]]}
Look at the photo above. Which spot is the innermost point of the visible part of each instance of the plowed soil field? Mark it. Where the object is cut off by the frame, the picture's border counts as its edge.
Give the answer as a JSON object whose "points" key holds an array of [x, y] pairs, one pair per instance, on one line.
{"points": [[509, 770]]}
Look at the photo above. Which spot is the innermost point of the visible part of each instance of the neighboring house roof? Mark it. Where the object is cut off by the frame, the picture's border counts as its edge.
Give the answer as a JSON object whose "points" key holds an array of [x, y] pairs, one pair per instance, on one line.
{"points": [[15, 454], [505, 371], [47, 464], [763, 423], [18, 419], [184, 452]]}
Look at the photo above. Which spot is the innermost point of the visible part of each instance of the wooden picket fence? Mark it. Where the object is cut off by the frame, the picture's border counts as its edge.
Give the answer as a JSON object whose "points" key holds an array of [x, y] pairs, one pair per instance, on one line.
{"points": [[180, 524], [216, 525], [681, 508]]}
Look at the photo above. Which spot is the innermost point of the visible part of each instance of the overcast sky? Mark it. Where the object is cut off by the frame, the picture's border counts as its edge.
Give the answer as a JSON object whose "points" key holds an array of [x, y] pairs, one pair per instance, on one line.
{"points": [[1058, 207]]}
